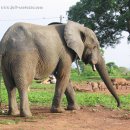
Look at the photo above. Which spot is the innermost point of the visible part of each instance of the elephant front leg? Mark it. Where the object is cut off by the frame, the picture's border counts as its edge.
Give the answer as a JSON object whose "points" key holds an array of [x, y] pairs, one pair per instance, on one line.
{"points": [[13, 108], [61, 84], [70, 95], [59, 91]]}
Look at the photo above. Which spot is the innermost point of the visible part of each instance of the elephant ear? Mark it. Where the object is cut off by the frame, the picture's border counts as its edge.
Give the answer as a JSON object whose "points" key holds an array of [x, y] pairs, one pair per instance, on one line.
{"points": [[74, 35]]}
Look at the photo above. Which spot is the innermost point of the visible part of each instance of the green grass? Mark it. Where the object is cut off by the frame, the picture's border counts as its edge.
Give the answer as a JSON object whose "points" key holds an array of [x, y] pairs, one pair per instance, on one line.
{"points": [[43, 94], [94, 99], [9, 122]]}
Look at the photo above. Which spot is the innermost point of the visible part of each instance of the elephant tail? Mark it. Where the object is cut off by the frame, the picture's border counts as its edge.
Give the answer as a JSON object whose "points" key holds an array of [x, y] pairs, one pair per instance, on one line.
{"points": [[2, 47], [0, 80], [0, 57]]}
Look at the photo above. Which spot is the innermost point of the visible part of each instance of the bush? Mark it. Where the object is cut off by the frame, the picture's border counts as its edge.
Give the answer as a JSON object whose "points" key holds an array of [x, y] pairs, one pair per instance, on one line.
{"points": [[86, 72]]}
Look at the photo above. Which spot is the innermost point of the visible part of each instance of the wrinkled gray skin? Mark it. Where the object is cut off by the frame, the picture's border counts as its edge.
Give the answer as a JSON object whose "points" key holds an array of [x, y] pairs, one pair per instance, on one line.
{"points": [[33, 52]]}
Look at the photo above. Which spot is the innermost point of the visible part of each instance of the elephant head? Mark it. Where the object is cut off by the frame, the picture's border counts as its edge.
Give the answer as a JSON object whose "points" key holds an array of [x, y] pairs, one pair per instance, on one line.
{"points": [[85, 44]]}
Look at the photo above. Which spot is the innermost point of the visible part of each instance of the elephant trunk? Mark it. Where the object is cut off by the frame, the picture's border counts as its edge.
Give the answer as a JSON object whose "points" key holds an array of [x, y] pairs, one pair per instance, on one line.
{"points": [[101, 68]]}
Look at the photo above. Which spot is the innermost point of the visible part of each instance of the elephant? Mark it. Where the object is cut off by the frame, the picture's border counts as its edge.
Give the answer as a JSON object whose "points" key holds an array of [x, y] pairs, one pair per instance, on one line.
{"points": [[32, 51]]}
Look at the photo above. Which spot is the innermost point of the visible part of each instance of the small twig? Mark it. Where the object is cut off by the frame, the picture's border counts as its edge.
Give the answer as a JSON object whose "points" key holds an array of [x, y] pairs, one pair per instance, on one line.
{"points": [[77, 64]]}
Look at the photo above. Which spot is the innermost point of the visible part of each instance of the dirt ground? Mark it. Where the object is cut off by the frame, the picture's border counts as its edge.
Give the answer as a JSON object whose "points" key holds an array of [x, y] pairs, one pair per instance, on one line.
{"points": [[87, 118]]}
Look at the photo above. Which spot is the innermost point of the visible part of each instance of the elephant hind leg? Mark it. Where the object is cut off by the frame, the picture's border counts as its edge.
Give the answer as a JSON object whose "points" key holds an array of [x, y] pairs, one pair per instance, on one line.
{"points": [[24, 103], [23, 73], [13, 108], [11, 90], [22, 86], [63, 75], [22, 83]]}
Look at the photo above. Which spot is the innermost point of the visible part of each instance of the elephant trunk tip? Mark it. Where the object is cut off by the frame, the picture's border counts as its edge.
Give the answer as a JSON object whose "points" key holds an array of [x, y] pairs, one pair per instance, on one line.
{"points": [[118, 104]]}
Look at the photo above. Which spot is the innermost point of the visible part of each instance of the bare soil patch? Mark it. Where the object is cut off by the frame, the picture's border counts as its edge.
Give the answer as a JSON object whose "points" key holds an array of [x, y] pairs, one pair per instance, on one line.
{"points": [[88, 118], [83, 87]]}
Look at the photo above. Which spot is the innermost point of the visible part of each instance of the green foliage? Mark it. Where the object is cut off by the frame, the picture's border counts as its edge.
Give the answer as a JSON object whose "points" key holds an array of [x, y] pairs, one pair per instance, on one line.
{"points": [[108, 18], [41, 97], [88, 73], [114, 70], [92, 99], [112, 64], [8, 122], [125, 102]]}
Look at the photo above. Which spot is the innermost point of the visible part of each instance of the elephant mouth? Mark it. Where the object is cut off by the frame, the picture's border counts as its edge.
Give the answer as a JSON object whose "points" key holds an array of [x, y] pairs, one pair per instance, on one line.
{"points": [[93, 65], [88, 60]]}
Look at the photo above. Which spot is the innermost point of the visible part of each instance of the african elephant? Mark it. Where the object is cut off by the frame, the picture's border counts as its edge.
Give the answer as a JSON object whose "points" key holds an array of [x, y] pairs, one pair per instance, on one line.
{"points": [[34, 52]]}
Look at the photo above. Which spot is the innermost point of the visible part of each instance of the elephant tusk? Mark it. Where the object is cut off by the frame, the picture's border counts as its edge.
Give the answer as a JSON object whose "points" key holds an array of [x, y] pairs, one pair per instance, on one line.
{"points": [[94, 67]]}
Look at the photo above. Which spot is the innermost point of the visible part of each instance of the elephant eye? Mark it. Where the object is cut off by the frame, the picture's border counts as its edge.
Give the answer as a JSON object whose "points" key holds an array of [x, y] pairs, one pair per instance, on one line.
{"points": [[94, 47]]}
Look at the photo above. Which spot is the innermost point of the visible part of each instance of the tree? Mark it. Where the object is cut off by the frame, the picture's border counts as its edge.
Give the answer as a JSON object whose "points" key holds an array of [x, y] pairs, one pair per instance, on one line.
{"points": [[111, 65], [108, 18], [113, 69]]}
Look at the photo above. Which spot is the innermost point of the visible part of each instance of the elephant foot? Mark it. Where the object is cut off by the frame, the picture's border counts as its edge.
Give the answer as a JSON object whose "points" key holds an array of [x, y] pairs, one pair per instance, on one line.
{"points": [[13, 112], [73, 107], [25, 114], [57, 110]]}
